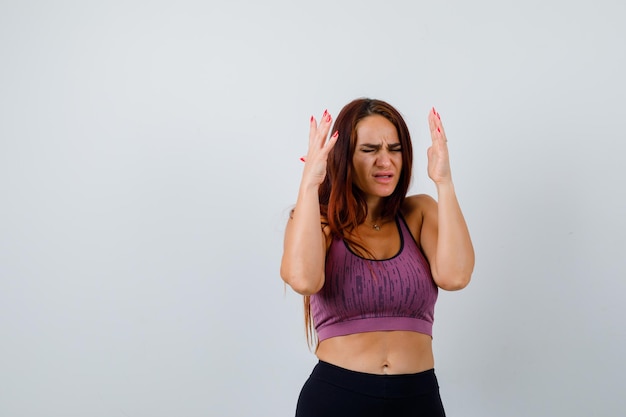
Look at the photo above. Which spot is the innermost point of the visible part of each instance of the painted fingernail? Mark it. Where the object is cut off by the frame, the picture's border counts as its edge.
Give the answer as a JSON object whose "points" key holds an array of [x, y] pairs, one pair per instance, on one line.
{"points": [[335, 134], [438, 130], [302, 159], [438, 117], [325, 113], [312, 118], [434, 112], [328, 118]]}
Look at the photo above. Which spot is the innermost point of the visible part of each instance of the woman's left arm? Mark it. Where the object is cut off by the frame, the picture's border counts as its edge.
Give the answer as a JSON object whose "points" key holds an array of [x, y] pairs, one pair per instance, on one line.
{"points": [[444, 235]]}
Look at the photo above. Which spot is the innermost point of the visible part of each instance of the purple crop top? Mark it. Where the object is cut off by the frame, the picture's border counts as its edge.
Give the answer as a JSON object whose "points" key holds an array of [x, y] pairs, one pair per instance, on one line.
{"points": [[361, 295]]}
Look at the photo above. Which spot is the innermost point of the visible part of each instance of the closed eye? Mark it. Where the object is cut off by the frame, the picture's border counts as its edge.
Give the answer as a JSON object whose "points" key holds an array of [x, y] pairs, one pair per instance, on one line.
{"points": [[373, 148]]}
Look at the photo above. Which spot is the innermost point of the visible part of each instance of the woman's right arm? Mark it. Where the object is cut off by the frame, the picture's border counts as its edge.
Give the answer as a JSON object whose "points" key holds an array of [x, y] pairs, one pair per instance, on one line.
{"points": [[304, 252]]}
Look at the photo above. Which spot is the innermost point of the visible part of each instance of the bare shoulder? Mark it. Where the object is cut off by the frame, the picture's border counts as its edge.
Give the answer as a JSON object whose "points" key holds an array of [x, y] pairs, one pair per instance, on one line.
{"points": [[417, 205], [414, 209]]}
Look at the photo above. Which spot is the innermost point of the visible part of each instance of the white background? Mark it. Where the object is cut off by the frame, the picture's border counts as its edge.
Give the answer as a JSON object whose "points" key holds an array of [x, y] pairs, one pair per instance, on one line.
{"points": [[149, 154]]}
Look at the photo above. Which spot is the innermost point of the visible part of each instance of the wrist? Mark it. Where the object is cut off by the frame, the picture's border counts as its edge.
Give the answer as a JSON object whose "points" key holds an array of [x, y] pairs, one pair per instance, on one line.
{"points": [[307, 186], [445, 187]]}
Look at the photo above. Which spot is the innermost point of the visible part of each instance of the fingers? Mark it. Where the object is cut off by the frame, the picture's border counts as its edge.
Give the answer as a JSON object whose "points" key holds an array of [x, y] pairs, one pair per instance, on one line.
{"points": [[320, 144], [438, 160], [312, 130], [318, 133], [436, 127], [327, 146], [431, 120], [331, 142]]}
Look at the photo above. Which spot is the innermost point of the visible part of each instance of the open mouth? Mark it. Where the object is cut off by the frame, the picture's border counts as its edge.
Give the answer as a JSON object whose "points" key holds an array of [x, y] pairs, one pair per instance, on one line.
{"points": [[383, 177]]}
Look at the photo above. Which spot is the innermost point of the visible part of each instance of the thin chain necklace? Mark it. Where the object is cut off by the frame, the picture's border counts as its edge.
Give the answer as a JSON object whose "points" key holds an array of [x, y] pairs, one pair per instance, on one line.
{"points": [[376, 225]]}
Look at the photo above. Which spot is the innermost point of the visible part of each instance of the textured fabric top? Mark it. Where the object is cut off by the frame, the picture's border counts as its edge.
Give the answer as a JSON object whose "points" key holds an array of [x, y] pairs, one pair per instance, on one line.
{"points": [[361, 295]]}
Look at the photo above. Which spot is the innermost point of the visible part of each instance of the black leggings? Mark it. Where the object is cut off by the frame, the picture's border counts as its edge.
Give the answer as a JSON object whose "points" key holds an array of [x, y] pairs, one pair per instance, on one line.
{"points": [[332, 391]]}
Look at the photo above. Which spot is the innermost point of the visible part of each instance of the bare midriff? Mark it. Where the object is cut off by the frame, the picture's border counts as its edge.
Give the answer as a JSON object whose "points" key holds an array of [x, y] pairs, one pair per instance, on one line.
{"points": [[382, 353]]}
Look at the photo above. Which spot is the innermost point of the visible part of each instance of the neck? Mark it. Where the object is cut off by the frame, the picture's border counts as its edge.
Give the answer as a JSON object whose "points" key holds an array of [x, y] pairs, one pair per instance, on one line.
{"points": [[374, 209], [374, 217]]}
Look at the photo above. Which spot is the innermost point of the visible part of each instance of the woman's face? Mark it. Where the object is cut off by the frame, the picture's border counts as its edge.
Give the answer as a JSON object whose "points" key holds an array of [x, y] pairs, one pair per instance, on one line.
{"points": [[377, 158]]}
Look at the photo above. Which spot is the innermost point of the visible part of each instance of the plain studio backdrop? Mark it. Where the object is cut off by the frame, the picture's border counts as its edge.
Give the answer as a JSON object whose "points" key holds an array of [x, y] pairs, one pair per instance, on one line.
{"points": [[149, 156]]}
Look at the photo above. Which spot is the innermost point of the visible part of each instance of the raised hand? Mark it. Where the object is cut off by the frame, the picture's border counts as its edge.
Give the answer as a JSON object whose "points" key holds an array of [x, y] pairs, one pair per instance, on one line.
{"points": [[319, 147], [438, 159]]}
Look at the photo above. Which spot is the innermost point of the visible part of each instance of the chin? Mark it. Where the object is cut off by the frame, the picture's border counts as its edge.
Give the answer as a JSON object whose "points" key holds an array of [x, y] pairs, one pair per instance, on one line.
{"points": [[385, 193]]}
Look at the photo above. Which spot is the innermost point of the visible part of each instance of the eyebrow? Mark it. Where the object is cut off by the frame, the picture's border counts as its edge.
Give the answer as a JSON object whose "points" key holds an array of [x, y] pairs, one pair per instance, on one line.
{"points": [[378, 146]]}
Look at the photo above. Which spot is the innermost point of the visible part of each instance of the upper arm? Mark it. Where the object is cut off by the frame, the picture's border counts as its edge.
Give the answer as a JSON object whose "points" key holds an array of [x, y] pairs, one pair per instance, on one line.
{"points": [[447, 246], [303, 262]]}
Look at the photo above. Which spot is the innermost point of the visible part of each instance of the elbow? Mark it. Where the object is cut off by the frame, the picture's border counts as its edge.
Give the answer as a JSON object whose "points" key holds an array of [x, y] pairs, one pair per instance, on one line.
{"points": [[455, 275], [300, 282], [453, 282], [304, 289]]}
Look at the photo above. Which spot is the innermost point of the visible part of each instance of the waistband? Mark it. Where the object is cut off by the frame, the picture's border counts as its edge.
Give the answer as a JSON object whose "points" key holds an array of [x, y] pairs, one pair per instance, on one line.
{"points": [[386, 386]]}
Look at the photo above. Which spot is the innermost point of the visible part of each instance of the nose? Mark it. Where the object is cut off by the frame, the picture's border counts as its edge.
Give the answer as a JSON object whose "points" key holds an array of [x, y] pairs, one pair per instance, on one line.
{"points": [[384, 159]]}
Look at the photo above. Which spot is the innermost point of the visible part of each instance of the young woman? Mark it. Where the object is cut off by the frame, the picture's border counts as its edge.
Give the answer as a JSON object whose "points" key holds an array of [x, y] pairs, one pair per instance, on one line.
{"points": [[369, 261]]}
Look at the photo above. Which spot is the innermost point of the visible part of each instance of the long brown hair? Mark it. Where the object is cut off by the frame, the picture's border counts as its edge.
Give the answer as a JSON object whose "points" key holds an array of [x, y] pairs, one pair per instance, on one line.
{"points": [[342, 203]]}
